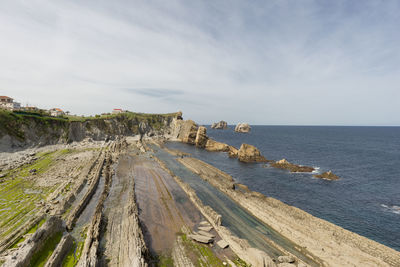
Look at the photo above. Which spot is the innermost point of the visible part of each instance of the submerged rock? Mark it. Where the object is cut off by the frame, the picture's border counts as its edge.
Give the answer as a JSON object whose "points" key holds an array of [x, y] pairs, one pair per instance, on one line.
{"points": [[249, 153], [286, 165], [327, 175], [242, 128], [220, 125]]}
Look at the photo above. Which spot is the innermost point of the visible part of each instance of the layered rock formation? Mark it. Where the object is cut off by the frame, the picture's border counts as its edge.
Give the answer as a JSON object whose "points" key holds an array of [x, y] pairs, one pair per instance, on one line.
{"points": [[286, 165], [215, 146], [20, 131], [220, 125], [242, 128], [327, 175], [201, 137], [249, 153], [326, 243]]}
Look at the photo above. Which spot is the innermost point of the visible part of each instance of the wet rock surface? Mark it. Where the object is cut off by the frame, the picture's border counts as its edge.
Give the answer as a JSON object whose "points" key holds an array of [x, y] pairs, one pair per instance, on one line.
{"points": [[327, 175], [284, 164]]}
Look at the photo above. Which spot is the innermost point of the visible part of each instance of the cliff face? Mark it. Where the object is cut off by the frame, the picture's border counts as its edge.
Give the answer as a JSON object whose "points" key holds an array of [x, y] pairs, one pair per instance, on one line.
{"points": [[19, 131]]}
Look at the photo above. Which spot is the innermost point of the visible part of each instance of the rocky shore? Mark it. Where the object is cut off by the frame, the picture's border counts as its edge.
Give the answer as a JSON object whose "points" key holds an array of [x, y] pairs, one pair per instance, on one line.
{"points": [[77, 204]]}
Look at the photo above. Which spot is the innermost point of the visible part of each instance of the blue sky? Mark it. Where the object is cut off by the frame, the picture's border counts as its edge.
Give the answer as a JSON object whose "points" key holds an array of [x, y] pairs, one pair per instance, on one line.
{"points": [[262, 62]]}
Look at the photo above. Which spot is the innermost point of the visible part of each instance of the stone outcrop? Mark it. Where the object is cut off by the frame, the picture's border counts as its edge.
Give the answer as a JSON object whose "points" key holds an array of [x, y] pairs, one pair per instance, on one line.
{"points": [[327, 175], [185, 131], [24, 131], [329, 244], [222, 125], [201, 137], [249, 153], [242, 128], [35, 243], [286, 165], [215, 146], [233, 152], [61, 251]]}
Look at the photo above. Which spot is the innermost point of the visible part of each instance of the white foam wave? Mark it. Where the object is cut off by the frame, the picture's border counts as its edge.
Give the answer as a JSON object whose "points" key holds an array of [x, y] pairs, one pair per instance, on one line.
{"points": [[394, 209], [316, 170]]}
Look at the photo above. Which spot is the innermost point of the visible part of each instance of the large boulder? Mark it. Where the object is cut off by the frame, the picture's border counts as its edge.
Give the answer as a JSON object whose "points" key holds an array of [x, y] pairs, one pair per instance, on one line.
{"points": [[201, 137], [185, 131], [242, 128], [233, 152], [220, 125], [249, 153], [215, 146], [286, 165]]}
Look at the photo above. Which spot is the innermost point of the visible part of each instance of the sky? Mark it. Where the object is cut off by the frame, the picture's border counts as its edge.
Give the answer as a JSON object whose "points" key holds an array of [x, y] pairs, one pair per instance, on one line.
{"points": [[262, 62]]}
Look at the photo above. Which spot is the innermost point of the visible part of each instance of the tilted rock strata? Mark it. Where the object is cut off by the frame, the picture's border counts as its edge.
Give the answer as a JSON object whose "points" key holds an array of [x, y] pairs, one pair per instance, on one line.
{"points": [[249, 153], [332, 244], [286, 165], [66, 243], [242, 128], [241, 247], [35, 243], [201, 137], [220, 125], [215, 146]]}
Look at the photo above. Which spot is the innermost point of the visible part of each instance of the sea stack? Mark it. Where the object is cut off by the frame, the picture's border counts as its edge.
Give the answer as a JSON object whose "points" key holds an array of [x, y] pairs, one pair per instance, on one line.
{"points": [[221, 125], [249, 153], [242, 128]]}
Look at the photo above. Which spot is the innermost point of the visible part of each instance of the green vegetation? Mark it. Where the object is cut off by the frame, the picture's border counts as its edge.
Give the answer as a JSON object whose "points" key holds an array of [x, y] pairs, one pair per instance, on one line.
{"points": [[165, 261], [41, 123], [40, 258], [73, 255], [30, 231], [241, 263], [202, 253], [19, 195]]}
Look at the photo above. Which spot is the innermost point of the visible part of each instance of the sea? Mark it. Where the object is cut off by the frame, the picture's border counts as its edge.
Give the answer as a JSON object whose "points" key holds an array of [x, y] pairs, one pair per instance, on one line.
{"points": [[366, 200]]}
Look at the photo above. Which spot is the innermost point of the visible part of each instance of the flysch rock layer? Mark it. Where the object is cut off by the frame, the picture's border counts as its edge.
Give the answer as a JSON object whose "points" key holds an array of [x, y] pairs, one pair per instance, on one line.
{"points": [[331, 243], [35, 243], [241, 247]]}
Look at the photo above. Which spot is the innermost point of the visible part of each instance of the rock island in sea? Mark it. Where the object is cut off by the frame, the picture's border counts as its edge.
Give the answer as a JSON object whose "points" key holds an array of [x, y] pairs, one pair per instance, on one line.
{"points": [[107, 191]]}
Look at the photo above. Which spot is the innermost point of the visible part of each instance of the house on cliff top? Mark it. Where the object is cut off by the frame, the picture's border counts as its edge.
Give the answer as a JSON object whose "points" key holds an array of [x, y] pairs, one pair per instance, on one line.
{"points": [[8, 103], [117, 111], [55, 112]]}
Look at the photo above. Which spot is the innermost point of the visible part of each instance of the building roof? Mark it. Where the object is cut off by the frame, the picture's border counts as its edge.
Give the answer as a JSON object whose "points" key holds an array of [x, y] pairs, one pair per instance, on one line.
{"points": [[117, 109], [57, 109], [4, 97]]}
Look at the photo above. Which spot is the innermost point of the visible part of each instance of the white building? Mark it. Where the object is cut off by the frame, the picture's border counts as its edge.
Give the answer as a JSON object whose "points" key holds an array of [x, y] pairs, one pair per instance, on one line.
{"points": [[8, 103], [117, 110], [56, 112]]}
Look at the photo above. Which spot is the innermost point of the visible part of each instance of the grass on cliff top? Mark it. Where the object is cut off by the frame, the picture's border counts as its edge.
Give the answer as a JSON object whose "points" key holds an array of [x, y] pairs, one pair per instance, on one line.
{"points": [[128, 115]]}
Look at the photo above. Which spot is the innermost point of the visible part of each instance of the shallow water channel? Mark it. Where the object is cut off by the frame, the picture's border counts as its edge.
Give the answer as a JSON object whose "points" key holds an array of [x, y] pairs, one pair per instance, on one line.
{"points": [[239, 221], [87, 214]]}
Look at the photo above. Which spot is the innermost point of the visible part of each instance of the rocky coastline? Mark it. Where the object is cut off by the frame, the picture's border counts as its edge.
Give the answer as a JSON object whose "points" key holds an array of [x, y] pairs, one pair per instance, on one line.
{"points": [[80, 207]]}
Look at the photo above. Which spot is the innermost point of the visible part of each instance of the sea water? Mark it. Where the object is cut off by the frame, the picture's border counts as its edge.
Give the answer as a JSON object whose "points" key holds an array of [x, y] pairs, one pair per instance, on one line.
{"points": [[366, 200]]}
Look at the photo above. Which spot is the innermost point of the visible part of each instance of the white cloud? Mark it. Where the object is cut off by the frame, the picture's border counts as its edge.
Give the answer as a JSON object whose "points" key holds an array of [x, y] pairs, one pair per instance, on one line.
{"points": [[265, 63]]}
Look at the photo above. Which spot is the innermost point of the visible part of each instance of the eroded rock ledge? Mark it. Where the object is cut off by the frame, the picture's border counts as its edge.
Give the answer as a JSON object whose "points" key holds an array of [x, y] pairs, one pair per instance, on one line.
{"points": [[332, 244]]}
